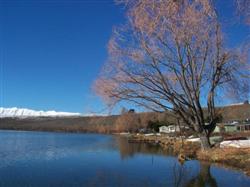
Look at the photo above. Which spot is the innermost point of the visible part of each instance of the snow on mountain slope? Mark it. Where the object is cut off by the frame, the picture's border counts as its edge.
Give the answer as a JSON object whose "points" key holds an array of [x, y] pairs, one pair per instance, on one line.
{"points": [[23, 112]]}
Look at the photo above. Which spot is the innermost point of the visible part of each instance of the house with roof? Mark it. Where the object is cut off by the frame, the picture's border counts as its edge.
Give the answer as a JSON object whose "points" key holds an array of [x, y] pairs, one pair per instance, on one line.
{"points": [[169, 129], [233, 126]]}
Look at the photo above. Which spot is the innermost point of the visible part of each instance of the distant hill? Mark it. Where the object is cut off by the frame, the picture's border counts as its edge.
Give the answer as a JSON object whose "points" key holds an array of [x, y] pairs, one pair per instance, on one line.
{"points": [[235, 112], [109, 124], [62, 124]]}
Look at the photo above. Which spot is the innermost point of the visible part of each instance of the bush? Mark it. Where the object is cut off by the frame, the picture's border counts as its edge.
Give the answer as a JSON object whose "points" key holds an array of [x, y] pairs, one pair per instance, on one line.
{"points": [[154, 125], [218, 119]]}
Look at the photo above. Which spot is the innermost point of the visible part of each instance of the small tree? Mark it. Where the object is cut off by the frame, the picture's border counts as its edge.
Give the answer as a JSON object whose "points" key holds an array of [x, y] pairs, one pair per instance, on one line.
{"points": [[123, 111], [171, 56], [127, 122]]}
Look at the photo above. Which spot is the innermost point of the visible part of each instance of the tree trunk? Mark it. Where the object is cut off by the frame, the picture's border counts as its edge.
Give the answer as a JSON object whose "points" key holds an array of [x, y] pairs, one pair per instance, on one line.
{"points": [[205, 143]]}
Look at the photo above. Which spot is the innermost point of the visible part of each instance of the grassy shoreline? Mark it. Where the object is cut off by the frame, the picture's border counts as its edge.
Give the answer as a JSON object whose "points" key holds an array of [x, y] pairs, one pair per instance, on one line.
{"points": [[235, 158]]}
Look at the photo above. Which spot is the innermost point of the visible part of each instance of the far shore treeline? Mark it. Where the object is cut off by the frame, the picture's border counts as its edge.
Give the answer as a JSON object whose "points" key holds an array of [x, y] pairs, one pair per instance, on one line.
{"points": [[127, 122]]}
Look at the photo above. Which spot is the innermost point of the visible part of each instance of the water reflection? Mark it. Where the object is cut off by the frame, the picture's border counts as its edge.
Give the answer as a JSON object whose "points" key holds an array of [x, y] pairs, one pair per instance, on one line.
{"points": [[128, 150], [57, 159], [181, 177], [204, 178]]}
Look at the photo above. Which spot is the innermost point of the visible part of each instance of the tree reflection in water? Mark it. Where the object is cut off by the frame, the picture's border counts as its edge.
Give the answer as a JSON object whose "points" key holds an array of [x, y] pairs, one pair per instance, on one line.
{"points": [[181, 175], [204, 178], [128, 150]]}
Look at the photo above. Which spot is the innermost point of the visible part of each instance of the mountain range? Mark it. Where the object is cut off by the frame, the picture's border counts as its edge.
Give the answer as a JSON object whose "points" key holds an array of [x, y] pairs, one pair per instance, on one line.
{"points": [[23, 113]]}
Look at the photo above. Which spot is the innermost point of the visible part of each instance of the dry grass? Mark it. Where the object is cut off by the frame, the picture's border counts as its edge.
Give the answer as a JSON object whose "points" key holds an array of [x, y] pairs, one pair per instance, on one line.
{"points": [[234, 157], [189, 149], [228, 157]]}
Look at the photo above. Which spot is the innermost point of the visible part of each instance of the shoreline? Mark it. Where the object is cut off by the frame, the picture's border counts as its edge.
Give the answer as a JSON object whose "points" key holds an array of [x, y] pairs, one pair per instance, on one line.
{"points": [[233, 158]]}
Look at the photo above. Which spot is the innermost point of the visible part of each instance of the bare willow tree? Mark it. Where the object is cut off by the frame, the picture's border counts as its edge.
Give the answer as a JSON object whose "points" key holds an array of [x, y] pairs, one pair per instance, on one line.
{"points": [[170, 56]]}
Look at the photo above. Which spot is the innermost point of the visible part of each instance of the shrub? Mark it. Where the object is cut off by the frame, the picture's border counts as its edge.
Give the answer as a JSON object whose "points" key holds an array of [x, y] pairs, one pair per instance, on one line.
{"points": [[154, 125]]}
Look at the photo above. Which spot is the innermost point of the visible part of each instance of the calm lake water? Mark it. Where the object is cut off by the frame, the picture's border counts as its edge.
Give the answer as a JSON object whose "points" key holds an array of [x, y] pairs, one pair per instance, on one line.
{"points": [[44, 159]]}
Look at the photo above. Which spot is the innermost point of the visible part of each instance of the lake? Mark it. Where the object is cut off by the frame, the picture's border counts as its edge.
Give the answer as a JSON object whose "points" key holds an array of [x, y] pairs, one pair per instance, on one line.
{"points": [[49, 159]]}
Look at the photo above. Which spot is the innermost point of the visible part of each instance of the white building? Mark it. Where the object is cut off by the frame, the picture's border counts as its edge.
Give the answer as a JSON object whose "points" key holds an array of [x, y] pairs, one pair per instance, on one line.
{"points": [[169, 129]]}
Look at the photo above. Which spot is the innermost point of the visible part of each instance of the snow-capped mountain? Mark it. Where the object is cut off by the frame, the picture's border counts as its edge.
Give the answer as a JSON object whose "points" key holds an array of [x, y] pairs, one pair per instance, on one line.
{"points": [[23, 112]]}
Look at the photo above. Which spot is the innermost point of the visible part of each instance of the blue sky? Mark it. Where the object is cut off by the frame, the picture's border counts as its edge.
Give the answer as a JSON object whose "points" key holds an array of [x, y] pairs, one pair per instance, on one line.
{"points": [[52, 51]]}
